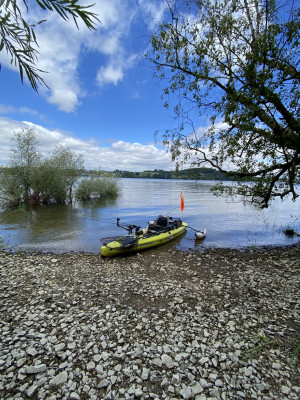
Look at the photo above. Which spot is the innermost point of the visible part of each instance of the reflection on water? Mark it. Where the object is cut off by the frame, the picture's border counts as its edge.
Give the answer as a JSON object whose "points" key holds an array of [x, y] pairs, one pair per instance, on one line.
{"points": [[79, 226]]}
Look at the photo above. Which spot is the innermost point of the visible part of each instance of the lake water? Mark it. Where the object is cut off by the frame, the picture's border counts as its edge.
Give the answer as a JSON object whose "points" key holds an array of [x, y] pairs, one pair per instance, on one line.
{"points": [[79, 226]]}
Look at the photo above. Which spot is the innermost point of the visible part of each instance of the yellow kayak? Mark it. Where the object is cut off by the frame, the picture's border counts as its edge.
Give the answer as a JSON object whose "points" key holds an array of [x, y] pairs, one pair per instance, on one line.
{"points": [[158, 232]]}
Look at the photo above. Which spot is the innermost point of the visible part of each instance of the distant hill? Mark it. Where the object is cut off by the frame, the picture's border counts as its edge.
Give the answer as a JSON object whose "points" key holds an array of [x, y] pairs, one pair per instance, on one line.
{"points": [[187, 174], [191, 173]]}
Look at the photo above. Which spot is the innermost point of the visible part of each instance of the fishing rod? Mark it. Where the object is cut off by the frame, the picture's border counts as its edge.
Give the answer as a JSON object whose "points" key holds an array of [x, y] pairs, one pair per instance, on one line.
{"points": [[97, 219], [169, 212], [127, 227]]}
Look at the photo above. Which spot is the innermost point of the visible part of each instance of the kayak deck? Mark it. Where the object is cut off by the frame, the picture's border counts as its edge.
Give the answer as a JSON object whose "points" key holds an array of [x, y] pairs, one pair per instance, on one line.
{"points": [[140, 241]]}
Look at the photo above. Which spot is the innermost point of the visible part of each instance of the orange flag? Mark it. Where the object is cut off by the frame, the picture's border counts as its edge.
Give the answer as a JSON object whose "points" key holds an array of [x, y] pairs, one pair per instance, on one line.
{"points": [[182, 201]]}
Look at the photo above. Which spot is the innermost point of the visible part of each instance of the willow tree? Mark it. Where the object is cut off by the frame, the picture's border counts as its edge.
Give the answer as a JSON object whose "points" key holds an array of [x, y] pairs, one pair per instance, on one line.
{"points": [[18, 34], [234, 63], [32, 179], [70, 165]]}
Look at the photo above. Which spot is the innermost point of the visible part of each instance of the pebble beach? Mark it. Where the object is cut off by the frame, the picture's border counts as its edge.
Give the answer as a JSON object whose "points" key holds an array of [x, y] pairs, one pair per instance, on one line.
{"points": [[213, 325]]}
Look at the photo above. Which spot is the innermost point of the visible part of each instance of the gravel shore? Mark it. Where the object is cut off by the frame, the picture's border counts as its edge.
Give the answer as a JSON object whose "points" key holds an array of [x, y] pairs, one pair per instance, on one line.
{"points": [[221, 324]]}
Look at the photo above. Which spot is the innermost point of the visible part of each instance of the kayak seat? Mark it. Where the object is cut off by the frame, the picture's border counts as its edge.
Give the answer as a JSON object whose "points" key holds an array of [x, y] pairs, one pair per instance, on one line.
{"points": [[161, 224], [162, 221]]}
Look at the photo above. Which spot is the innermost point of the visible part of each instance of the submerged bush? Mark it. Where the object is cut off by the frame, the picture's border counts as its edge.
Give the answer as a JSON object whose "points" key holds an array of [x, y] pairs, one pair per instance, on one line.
{"points": [[96, 187], [31, 179]]}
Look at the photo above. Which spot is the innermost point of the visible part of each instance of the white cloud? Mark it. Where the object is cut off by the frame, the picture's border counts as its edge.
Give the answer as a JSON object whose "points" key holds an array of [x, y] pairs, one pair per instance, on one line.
{"points": [[9, 109], [120, 155], [153, 11], [110, 74], [61, 45]]}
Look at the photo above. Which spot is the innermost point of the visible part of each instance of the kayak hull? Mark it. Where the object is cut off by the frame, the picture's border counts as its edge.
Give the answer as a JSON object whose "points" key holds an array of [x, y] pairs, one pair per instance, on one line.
{"points": [[115, 247]]}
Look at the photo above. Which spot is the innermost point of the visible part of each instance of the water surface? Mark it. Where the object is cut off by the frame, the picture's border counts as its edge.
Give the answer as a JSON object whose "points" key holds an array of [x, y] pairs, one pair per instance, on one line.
{"points": [[79, 226]]}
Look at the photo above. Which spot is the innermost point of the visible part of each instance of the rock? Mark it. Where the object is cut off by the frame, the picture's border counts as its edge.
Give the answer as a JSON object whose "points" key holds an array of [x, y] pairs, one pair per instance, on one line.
{"points": [[175, 325], [103, 384], [90, 366], [196, 389], [35, 369], [167, 361], [74, 396], [31, 390], [186, 393], [59, 379]]}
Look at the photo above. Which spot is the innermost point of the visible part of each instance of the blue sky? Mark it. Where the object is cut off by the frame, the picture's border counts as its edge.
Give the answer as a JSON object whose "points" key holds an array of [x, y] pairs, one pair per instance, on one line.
{"points": [[104, 102]]}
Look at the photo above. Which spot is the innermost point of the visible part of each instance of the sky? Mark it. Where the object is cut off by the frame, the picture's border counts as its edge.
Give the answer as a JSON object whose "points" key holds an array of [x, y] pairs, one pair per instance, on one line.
{"points": [[104, 102]]}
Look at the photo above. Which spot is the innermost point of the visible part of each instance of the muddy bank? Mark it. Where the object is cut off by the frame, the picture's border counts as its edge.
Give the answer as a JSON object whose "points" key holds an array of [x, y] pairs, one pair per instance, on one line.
{"points": [[221, 324]]}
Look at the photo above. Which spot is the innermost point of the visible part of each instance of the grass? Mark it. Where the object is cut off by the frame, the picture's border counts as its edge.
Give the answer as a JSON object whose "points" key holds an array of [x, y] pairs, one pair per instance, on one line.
{"points": [[263, 343], [3, 245]]}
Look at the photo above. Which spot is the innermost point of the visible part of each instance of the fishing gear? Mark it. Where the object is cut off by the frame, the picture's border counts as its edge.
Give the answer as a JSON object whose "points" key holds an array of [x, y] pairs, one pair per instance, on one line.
{"points": [[198, 234], [97, 219], [128, 227]]}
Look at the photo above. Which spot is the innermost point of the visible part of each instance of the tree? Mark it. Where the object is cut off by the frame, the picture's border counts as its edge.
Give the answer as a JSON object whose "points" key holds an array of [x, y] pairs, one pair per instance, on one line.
{"points": [[17, 35], [24, 159], [33, 180], [235, 63], [69, 164]]}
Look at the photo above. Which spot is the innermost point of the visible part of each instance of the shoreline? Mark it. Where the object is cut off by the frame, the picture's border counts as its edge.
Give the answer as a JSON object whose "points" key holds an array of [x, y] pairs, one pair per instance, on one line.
{"points": [[212, 325], [161, 249]]}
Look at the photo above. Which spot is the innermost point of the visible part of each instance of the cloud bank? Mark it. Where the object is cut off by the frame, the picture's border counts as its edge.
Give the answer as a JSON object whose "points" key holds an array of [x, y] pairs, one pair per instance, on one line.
{"points": [[118, 155]]}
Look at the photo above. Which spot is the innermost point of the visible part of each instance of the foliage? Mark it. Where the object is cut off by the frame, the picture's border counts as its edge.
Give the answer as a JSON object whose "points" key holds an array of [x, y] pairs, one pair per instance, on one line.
{"points": [[11, 193], [24, 160], [261, 344], [48, 184], [98, 187], [18, 38], [235, 64], [32, 180], [69, 164], [189, 173], [3, 245]]}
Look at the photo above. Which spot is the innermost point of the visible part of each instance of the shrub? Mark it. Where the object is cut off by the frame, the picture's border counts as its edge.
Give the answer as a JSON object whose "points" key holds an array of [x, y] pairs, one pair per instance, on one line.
{"points": [[98, 187]]}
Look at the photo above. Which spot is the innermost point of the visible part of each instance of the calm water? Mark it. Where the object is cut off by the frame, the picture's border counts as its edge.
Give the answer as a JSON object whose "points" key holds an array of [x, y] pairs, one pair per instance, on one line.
{"points": [[79, 227]]}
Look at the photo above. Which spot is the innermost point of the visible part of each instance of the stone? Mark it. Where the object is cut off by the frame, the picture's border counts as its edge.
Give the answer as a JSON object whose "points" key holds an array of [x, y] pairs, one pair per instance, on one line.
{"points": [[113, 330], [59, 379], [35, 369], [90, 366], [31, 390], [74, 396], [167, 361], [103, 384]]}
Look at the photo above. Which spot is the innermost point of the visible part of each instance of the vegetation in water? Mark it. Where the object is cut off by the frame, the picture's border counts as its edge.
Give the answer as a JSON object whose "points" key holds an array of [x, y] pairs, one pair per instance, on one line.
{"points": [[33, 180], [96, 187], [291, 230], [3, 244]]}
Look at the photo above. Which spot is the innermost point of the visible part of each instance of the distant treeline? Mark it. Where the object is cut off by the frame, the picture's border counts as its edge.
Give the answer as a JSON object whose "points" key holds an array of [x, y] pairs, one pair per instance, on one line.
{"points": [[191, 173]]}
